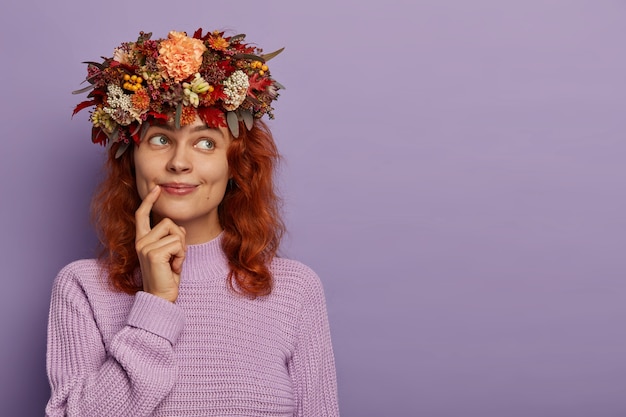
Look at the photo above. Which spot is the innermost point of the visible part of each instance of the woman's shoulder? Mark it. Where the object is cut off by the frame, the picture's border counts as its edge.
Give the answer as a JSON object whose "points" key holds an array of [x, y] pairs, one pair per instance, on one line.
{"points": [[292, 268], [84, 274], [82, 268], [293, 275]]}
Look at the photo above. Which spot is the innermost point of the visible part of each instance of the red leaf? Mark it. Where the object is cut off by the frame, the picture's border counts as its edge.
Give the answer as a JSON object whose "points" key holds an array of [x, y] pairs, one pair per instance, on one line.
{"points": [[130, 68], [211, 116], [83, 105], [157, 116], [98, 136], [218, 94], [259, 84], [98, 95], [226, 66]]}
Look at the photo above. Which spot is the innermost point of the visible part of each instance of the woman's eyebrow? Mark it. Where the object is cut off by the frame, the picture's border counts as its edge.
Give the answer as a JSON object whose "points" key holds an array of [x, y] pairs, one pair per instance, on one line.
{"points": [[198, 128], [204, 127]]}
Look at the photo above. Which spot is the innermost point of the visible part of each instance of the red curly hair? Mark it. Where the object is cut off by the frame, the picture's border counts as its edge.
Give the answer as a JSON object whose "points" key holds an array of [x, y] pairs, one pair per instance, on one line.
{"points": [[249, 214]]}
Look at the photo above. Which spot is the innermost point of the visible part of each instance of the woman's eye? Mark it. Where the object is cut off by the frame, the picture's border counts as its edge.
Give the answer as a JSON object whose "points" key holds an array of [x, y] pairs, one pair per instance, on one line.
{"points": [[158, 140], [206, 144]]}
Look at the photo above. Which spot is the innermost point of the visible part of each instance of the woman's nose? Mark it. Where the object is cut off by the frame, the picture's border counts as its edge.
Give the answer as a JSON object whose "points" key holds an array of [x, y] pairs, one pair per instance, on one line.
{"points": [[180, 161]]}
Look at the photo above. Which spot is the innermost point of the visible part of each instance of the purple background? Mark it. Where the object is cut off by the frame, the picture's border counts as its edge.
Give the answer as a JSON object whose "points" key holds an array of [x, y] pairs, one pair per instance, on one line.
{"points": [[454, 172]]}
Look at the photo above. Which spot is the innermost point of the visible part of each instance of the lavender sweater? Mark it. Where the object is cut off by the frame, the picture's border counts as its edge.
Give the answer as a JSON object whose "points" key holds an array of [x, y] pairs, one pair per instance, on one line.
{"points": [[212, 353]]}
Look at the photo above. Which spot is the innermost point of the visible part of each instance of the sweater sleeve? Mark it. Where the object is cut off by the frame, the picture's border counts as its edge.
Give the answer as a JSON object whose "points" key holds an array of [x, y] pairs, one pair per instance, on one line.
{"points": [[128, 377], [312, 365]]}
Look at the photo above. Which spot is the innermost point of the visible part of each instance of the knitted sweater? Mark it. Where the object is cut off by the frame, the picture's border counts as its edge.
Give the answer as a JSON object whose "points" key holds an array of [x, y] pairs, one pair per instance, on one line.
{"points": [[212, 353]]}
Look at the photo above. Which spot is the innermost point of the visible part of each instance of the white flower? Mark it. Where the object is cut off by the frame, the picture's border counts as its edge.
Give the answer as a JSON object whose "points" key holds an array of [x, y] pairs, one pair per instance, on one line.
{"points": [[191, 91], [272, 91], [121, 56], [190, 98], [236, 89], [199, 84], [120, 107]]}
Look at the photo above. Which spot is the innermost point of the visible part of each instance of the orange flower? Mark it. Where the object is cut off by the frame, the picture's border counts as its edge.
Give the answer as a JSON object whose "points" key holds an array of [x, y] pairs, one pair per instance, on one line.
{"points": [[180, 56], [187, 115], [140, 100], [218, 43]]}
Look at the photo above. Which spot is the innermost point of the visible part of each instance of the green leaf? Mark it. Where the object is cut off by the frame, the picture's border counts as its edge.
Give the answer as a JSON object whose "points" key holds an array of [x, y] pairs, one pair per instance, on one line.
{"points": [[134, 132], [144, 128], [83, 90], [112, 138], [120, 151], [248, 119], [233, 124], [267, 57], [250, 57], [115, 135], [179, 110], [95, 64], [237, 38]]}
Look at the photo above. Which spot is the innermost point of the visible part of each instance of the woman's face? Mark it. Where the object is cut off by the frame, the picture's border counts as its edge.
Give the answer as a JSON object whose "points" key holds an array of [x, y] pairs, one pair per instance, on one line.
{"points": [[190, 166]]}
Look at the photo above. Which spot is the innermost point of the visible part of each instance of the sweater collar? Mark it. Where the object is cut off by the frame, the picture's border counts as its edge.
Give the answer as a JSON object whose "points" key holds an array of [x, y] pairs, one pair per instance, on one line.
{"points": [[206, 258]]}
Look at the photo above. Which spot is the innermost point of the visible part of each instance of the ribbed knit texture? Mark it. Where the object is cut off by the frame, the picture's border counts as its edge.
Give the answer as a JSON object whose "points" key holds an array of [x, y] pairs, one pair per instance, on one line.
{"points": [[212, 353]]}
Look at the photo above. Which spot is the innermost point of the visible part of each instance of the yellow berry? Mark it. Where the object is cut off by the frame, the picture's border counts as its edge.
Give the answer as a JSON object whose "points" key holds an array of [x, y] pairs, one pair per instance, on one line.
{"points": [[264, 68], [126, 77], [211, 89], [139, 80], [261, 72], [133, 77]]}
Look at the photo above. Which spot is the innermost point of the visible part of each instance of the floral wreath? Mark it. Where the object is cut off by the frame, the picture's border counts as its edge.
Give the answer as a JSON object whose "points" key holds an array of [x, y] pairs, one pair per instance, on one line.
{"points": [[220, 79]]}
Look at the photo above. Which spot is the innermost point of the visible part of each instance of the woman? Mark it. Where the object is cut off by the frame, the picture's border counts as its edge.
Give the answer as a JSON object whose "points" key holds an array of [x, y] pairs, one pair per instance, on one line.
{"points": [[188, 311]]}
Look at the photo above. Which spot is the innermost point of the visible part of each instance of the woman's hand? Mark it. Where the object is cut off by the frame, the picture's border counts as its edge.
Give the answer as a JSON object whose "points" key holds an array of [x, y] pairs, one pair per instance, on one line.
{"points": [[161, 250]]}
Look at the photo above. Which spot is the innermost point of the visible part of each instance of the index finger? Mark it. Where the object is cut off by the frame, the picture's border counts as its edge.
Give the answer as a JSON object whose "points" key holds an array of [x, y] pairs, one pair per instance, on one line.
{"points": [[142, 215]]}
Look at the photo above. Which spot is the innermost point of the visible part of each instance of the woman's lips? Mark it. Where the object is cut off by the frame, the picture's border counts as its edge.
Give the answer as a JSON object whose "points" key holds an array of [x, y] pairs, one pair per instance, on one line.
{"points": [[178, 189]]}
